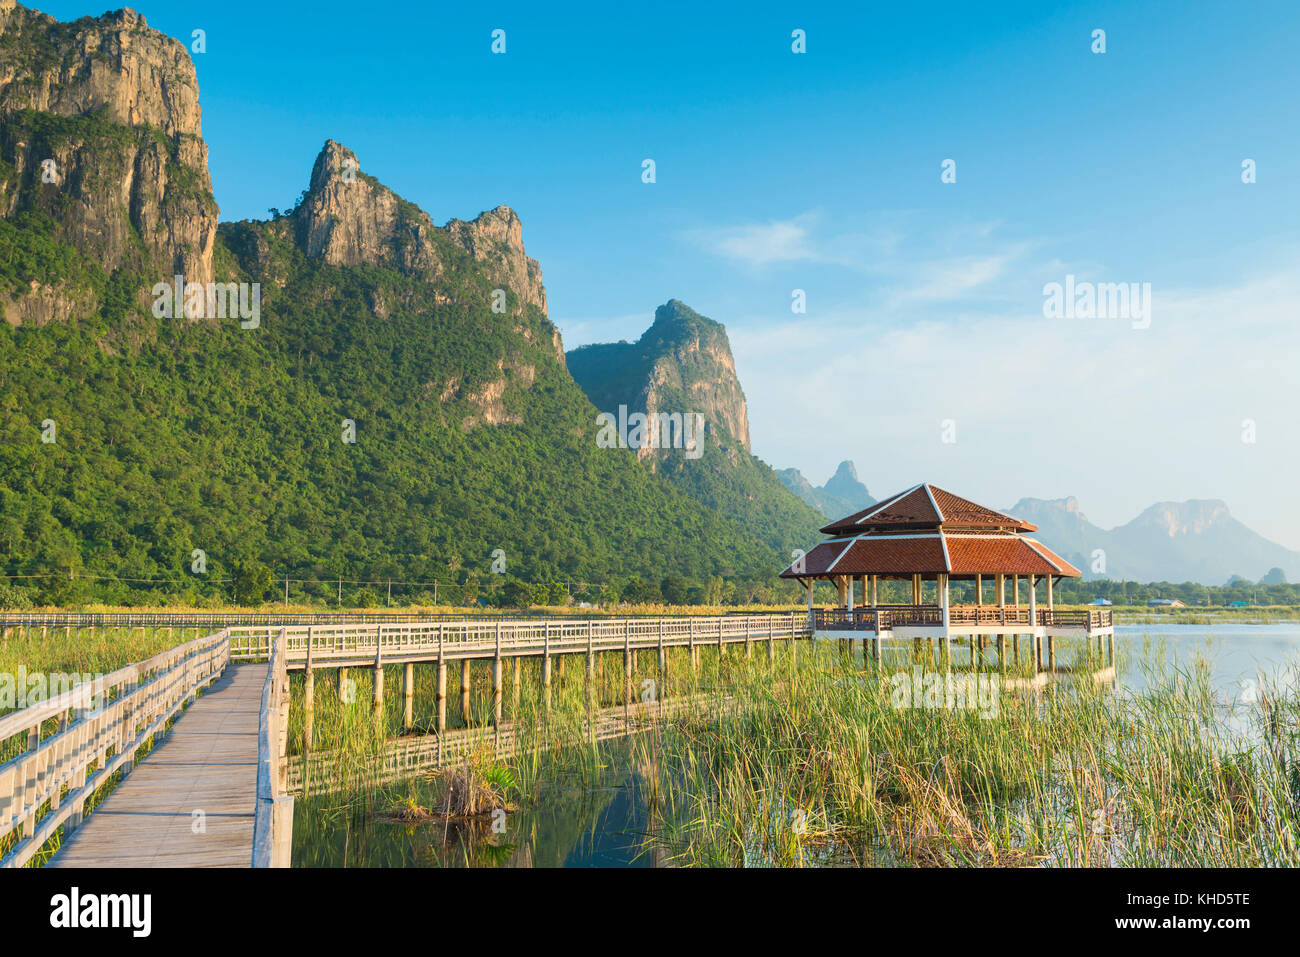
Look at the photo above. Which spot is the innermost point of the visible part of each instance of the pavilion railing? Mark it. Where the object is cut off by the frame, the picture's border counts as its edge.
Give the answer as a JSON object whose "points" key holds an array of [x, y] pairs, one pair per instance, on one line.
{"points": [[885, 618]]}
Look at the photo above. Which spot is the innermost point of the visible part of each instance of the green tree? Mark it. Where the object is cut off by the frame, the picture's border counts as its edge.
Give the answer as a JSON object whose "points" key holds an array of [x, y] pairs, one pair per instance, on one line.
{"points": [[250, 582]]}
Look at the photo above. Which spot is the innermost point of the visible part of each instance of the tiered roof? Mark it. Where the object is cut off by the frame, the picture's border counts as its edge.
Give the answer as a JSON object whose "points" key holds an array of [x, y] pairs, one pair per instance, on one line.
{"points": [[929, 530]]}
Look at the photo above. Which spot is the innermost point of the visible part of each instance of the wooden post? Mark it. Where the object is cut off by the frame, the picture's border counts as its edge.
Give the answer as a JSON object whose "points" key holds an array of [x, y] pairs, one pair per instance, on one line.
{"points": [[514, 667], [441, 695], [695, 655], [627, 662], [1051, 652], [496, 688], [464, 690], [378, 697], [663, 653], [546, 666], [308, 696], [408, 692], [591, 657]]}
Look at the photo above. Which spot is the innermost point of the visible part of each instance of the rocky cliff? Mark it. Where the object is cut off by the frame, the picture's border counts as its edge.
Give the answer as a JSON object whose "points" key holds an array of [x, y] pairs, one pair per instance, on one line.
{"points": [[101, 150], [681, 364], [349, 218]]}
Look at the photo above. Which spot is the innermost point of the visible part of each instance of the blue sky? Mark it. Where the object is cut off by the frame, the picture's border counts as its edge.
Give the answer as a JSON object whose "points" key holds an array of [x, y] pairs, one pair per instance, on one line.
{"points": [[821, 172]]}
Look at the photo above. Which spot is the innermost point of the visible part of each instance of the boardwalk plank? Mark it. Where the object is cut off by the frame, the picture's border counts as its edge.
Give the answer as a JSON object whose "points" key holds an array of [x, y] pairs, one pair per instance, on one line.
{"points": [[208, 762]]}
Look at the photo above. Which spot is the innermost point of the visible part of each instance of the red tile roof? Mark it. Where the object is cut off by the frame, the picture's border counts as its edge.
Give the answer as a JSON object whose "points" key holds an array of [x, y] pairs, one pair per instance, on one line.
{"points": [[925, 506], [928, 530]]}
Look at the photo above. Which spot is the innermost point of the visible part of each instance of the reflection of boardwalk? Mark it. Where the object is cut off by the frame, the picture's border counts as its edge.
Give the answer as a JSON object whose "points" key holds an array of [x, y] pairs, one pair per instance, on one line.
{"points": [[409, 756], [207, 765]]}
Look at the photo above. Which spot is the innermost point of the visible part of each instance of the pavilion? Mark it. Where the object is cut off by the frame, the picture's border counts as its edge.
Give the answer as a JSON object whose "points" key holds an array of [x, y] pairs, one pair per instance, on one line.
{"points": [[931, 538]]}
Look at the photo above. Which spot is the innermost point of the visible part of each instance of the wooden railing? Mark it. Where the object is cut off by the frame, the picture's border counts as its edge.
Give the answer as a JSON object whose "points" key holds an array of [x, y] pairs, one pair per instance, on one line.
{"points": [[72, 742], [471, 638], [273, 811], [885, 618], [214, 619], [1090, 618]]}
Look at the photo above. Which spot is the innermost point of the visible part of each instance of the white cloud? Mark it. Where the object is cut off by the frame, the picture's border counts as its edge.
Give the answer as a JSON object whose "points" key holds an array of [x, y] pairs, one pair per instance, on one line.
{"points": [[757, 245]]}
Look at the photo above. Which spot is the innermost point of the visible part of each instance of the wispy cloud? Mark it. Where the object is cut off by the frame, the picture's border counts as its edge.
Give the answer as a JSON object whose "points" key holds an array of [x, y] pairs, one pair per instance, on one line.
{"points": [[758, 244]]}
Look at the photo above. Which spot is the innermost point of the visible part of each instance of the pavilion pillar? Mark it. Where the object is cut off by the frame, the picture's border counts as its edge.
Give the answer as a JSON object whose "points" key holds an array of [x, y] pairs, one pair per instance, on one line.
{"points": [[943, 602], [874, 580], [1001, 581], [1015, 588], [916, 589], [979, 590], [841, 590], [1033, 625], [1049, 592]]}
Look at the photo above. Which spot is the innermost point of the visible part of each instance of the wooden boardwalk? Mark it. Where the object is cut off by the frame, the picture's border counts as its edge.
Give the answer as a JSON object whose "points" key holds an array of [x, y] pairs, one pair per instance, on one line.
{"points": [[208, 764]]}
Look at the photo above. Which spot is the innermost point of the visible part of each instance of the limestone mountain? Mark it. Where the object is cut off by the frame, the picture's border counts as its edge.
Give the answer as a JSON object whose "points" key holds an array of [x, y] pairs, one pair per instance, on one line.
{"points": [[100, 151], [843, 494], [401, 410], [1196, 540], [682, 364]]}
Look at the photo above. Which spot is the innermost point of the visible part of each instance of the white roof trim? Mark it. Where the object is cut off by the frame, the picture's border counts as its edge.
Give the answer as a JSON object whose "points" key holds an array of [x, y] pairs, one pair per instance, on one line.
{"points": [[947, 561], [841, 554], [937, 510]]}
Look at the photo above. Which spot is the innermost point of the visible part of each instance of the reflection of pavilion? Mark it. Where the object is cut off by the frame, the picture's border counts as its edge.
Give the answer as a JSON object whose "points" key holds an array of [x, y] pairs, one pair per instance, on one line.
{"points": [[930, 537]]}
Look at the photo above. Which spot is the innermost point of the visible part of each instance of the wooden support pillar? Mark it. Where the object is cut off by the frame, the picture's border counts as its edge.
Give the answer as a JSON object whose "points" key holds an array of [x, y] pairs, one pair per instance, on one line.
{"points": [[441, 696], [627, 674], [308, 696], [514, 667], [1051, 652], [546, 680], [464, 690], [695, 655], [979, 590], [496, 690], [377, 697], [1015, 588], [408, 695]]}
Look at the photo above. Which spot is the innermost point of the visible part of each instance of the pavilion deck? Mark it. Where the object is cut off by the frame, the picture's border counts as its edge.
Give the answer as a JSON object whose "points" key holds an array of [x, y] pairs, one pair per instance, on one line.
{"points": [[927, 620]]}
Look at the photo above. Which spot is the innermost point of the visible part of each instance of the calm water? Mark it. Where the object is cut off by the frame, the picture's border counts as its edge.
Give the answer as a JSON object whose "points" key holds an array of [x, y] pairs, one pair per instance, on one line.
{"points": [[601, 819]]}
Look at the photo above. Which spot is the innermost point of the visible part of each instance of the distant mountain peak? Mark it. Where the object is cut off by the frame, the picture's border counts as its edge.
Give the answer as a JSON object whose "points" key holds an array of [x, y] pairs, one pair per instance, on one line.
{"points": [[843, 494]]}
